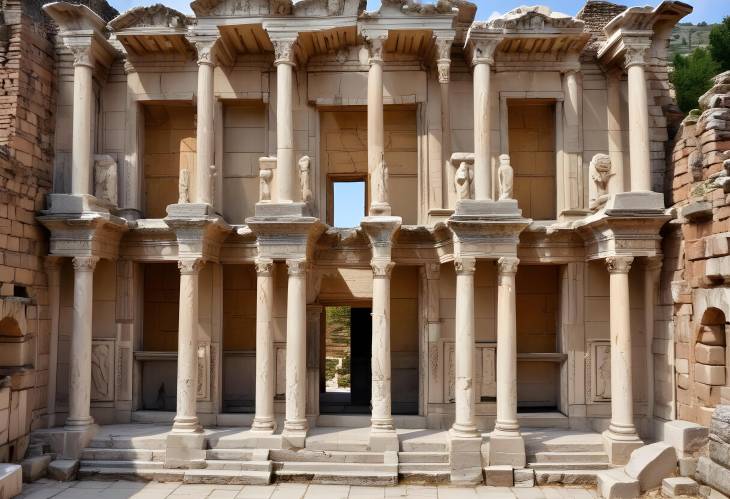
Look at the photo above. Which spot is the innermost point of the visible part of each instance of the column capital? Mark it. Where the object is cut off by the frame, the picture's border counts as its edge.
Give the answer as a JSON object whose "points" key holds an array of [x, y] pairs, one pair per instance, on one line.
{"points": [[264, 267], [85, 263], [483, 50], [433, 271], [284, 51], [619, 264], [190, 266], [83, 55], [508, 265], [297, 266], [465, 265], [376, 42], [635, 54], [205, 48], [443, 58], [382, 268]]}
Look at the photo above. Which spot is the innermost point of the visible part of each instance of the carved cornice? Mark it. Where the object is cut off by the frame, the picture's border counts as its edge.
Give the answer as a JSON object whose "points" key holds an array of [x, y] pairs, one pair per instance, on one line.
{"points": [[85, 263], [382, 268], [619, 264], [156, 16], [296, 267], [508, 264], [465, 265], [264, 267], [190, 266]]}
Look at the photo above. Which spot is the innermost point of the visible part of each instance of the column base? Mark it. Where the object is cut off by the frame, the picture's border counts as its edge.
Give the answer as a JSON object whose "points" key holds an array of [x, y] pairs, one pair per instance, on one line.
{"points": [[465, 459], [185, 450], [68, 443], [620, 446], [383, 440], [186, 424], [507, 448], [263, 426], [294, 435]]}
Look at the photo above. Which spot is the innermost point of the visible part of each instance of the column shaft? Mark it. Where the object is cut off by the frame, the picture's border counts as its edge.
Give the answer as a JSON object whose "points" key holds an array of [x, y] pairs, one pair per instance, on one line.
{"points": [[651, 282], [622, 405], [376, 135], [79, 393], [285, 164], [205, 141], [265, 368], [464, 425], [615, 130], [186, 419], [482, 149], [382, 419], [639, 152], [507, 347], [53, 271], [81, 148], [296, 348]]}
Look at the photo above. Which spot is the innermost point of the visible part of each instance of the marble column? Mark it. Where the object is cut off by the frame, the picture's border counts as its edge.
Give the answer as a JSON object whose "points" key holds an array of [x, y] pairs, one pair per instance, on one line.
{"points": [[615, 132], [506, 444], [379, 204], [482, 61], [264, 420], [314, 316], [639, 143], [570, 185], [433, 366], [443, 65], [295, 424], [79, 392], [186, 419], [205, 138], [621, 437], [53, 271], [83, 97], [286, 175], [464, 425], [652, 271]]}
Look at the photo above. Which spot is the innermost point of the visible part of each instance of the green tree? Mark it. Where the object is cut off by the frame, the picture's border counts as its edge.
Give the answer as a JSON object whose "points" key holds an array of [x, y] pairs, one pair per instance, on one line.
{"points": [[720, 44], [692, 77]]}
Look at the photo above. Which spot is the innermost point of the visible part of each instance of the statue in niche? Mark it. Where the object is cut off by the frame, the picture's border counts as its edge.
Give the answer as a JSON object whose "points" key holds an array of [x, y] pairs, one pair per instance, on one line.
{"points": [[600, 168], [506, 175], [183, 187], [105, 178], [603, 372], [265, 176], [462, 181], [304, 179]]}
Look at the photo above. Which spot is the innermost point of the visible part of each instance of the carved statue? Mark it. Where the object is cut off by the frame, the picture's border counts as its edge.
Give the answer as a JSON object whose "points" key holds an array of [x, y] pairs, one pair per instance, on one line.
{"points": [[266, 175], [601, 173], [105, 178], [506, 176], [380, 182], [304, 179], [462, 181], [183, 187], [100, 372]]}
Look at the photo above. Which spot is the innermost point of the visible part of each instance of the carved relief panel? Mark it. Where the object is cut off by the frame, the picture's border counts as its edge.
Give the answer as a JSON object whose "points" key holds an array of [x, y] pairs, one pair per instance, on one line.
{"points": [[102, 370], [599, 371]]}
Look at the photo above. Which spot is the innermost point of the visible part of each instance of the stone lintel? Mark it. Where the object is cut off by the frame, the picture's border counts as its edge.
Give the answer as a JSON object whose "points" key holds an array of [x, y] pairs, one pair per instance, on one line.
{"points": [[282, 238], [198, 236]]}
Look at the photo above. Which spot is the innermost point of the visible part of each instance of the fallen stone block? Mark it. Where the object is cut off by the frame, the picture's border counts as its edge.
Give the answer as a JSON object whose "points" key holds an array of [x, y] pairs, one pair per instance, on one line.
{"points": [[713, 474], [707, 492], [679, 486], [652, 463], [615, 484], [687, 466], [719, 452], [686, 437], [524, 477], [11, 480], [720, 423], [499, 476], [63, 470], [35, 467]]}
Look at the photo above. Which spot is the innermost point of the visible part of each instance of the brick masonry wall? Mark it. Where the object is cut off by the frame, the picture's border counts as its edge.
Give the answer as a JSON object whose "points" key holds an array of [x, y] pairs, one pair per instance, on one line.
{"points": [[697, 255]]}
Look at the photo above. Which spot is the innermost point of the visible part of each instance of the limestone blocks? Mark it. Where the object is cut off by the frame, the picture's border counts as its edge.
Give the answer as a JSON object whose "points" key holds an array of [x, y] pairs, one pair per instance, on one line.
{"points": [[714, 470]]}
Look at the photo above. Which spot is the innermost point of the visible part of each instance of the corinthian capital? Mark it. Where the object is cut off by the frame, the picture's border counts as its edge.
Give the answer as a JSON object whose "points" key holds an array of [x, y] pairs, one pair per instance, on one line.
{"points": [[297, 266], [465, 265], [635, 55], [375, 47], [382, 268], [206, 50], [619, 264], [82, 53], [508, 264], [264, 266], [284, 50], [190, 266], [483, 50], [85, 263]]}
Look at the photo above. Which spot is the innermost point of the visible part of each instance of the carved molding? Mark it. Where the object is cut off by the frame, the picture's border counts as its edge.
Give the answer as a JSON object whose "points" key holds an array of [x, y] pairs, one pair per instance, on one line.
{"points": [[619, 264], [190, 266], [85, 263], [465, 265], [264, 267], [382, 268], [433, 270], [443, 59], [508, 264]]}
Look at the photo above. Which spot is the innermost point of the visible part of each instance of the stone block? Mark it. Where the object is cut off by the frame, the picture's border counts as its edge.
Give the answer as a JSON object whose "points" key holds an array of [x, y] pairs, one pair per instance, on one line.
{"points": [[506, 449], [720, 423], [679, 486], [681, 366], [709, 395], [465, 460], [719, 452], [686, 437], [713, 474], [707, 492], [712, 335], [185, 450], [63, 470], [619, 451], [687, 466], [35, 467], [499, 476], [524, 477], [615, 484], [652, 463], [11, 480], [635, 201], [683, 381], [710, 354], [710, 375]]}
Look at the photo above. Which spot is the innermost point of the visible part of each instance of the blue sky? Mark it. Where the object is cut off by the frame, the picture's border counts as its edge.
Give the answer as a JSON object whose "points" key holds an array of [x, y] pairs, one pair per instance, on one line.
{"points": [[704, 10]]}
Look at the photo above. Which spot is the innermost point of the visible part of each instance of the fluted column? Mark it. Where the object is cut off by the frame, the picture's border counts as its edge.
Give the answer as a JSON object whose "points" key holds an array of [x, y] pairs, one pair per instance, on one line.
{"points": [[286, 176], [79, 393], [379, 204], [639, 148], [82, 107], [295, 424], [264, 420], [205, 139], [482, 60], [382, 419], [464, 425], [186, 419]]}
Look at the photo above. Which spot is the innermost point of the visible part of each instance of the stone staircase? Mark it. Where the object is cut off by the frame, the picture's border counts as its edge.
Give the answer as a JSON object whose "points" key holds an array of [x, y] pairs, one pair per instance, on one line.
{"points": [[423, 460], [335, 466], [564, 456]]}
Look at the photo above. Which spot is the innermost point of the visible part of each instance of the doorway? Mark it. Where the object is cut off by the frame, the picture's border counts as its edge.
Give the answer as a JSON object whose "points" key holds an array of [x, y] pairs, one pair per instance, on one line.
{"points": [[347, 349]]}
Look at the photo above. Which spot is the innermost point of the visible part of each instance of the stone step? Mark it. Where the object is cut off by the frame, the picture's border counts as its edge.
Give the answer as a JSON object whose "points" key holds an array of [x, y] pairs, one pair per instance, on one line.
{"points": [[130, 464], [93, 454], [565, 442], [232, 465], [423, 457], [335, 467], [157, 442], [128, 472], [304, 455], [230, 454], [345, 477], [232, 477], [415, 468], [568, 466], [566, 477], [568, 457]]}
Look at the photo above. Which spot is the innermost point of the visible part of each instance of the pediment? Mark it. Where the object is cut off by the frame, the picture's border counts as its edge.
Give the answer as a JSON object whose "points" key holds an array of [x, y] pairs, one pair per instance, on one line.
{"points": [[241, 8], [535, 19], [154, 16]]}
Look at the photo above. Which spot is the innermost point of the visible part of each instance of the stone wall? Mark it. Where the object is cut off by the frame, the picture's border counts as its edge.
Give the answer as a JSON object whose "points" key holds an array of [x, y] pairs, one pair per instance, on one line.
{"points": [[698, 255], [27, 101]]}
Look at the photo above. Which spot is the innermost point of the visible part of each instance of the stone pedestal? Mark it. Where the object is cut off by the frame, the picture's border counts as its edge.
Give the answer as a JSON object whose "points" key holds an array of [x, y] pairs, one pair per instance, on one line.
{"points": [[185, 450], [465, 459]]}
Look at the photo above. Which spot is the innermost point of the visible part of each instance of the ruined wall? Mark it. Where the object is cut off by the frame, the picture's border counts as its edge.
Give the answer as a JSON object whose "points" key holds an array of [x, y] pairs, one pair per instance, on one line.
{"points": [[698, 255]]}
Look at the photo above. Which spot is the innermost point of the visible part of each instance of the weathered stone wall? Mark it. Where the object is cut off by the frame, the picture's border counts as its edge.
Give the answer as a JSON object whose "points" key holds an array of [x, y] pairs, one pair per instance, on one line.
{"points": [[26, 134], [700, 166]]}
